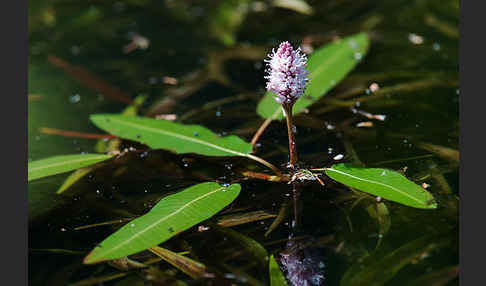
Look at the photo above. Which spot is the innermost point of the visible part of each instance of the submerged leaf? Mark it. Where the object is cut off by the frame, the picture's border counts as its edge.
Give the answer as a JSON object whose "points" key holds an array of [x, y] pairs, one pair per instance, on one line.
{"points": [[377, 268], [387, 184], [191, 267], [61, 164], [327, 66], [276, 276], [179, 138], [170, 216], [437, 278], [74, 177]]}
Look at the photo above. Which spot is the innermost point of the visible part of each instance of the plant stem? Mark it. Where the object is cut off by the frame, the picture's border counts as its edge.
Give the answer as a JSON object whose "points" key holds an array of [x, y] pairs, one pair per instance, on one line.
{"points": [[290, 129], [268, 164]]}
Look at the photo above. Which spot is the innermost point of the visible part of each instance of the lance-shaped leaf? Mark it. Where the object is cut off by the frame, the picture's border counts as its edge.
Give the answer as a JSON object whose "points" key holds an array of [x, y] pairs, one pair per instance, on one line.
{"points": [[170, 216], [327, 66], [179, 138], [164, 134], [387, 184], [276, 276], [61, 164]]}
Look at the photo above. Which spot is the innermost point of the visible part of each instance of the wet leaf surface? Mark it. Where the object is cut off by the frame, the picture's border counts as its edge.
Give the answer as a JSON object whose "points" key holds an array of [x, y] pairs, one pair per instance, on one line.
{"points": [[61, 164], [387, 184], [170, 216]]}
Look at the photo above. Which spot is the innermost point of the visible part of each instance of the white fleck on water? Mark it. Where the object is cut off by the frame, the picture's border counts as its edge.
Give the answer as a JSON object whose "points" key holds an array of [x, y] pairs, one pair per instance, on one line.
{"points": [[415, 39], [338, 157]]}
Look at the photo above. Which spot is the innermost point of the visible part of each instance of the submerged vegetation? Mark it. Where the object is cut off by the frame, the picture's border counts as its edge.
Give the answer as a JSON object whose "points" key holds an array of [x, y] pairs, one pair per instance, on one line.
{"points": [[172, 196]]}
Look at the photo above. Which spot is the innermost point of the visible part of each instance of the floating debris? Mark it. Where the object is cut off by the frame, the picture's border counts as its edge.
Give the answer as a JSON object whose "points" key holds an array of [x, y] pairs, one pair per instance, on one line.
{"points": [[365, 124], [415, 39], [369, 115], [170, 117], [138, 42], [169, 80]]}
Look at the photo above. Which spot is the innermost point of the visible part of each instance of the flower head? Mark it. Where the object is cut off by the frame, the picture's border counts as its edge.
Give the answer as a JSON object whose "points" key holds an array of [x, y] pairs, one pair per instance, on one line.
{"points": [[287, 76]]}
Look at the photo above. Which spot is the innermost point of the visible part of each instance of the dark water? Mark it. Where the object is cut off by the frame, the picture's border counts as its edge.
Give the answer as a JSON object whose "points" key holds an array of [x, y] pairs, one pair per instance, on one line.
{"points": [[413, 58]]}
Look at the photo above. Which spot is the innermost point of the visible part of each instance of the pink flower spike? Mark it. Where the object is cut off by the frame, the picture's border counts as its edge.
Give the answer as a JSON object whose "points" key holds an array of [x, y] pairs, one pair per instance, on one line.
{"points": [[287, 76]]}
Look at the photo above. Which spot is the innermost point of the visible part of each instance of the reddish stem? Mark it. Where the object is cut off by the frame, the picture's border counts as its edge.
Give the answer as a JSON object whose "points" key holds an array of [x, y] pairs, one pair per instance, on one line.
{"points": [[67, 133], [290, 129]]}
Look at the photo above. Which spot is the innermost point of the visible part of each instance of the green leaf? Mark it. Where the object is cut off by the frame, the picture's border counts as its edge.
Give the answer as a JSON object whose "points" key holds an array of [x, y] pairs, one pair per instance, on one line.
{"points": [[61, 164], [179, 138], [170, 216], [276, 276], [327, 66], [387, 184]]}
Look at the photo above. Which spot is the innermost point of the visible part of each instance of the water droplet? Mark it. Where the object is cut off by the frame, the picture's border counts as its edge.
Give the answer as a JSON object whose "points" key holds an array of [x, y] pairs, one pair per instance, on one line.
{"points": [[132, 225], [218, 113], [353, 44], [436, 47], [383, 173], [75, 50], [358, 56], [75, 98], [196, 134]]}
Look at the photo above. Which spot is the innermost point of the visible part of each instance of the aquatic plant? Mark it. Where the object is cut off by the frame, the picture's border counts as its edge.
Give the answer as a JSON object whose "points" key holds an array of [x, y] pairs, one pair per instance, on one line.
{"points": [[293, 84]]}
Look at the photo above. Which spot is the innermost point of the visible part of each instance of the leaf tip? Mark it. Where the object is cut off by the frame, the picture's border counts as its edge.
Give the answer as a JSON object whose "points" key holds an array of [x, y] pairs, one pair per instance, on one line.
{"points": [[92, 258]]}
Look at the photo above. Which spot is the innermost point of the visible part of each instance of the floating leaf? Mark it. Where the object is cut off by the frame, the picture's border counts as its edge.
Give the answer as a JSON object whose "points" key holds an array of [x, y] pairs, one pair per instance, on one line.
{"points": [[179, 138], [170, 216], [387, 184], [192, 268], [327, 66], [276, 276], [61, 164]]}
